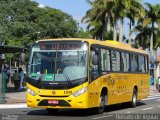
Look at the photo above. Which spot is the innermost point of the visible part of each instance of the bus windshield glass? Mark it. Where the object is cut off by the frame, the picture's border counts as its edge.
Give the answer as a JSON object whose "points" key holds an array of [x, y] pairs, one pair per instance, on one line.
{"points": [[59, 61]]}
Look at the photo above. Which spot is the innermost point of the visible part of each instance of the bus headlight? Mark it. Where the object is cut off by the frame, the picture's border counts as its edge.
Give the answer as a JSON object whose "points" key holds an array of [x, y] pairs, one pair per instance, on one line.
{"points": [[31, 92], [80, 92]]}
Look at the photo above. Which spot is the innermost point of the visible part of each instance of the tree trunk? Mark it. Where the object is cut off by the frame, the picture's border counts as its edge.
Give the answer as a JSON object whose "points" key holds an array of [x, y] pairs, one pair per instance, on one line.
{"points": [[108, 25], [121, 30], [104, 27], [151, 41], [114, 29], [129, 37]]}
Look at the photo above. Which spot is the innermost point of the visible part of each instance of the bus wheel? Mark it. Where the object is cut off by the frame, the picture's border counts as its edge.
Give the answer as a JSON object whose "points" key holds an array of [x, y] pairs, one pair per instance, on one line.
{"points": [[134, 98], [52, 111], [101, 107]]}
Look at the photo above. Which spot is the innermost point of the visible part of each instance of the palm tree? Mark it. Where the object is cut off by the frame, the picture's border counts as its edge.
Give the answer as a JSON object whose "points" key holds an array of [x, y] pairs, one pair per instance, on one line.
{"points": [[152, 18], [95, 17], [106, 13], [143, 35], [135, 12], [99, 17], [121, 7]]}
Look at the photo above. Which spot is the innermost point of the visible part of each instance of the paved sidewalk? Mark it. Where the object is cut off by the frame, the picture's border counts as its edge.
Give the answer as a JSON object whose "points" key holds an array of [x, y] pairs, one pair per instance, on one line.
{"points": [[13, 97], [153, 90]]}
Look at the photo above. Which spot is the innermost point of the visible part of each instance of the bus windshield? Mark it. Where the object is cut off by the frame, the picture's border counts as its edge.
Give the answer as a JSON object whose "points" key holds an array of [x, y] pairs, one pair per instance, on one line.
{"points": [[65, 61]]}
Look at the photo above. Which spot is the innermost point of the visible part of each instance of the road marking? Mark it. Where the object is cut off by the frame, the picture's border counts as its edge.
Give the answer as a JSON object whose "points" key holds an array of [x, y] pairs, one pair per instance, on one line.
{"points": [[148, 108], [7, 106], [102, 117], [153, 95], [150, 98]]}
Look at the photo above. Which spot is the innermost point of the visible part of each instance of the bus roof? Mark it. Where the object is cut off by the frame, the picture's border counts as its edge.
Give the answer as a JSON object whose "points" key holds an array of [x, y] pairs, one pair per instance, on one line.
{"points": [[108, 43]]}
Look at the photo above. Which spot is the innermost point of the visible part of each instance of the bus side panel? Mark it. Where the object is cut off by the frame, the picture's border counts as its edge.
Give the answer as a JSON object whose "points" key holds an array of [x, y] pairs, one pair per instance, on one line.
{"points": [[143, 83], [110, 80], [120, 87], [95, 87], [124, 87], [94, 93]]}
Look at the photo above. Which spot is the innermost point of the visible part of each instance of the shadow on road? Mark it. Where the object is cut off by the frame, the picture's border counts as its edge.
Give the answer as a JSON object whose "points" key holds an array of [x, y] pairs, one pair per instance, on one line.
{"points": [[83, 112], [64, 112], [121, 106]]}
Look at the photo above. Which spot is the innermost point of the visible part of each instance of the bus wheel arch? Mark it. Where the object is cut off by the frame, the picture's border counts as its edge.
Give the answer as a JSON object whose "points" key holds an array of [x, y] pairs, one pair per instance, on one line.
{"points": [[103, 100], [134, 96]]}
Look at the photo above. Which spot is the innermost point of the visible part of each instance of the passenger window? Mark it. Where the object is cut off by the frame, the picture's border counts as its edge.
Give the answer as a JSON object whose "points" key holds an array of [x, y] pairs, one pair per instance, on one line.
{"points": [[115, 57], [105, 60], [141, 63], [125, 62], [146, 64], [134, 63]]}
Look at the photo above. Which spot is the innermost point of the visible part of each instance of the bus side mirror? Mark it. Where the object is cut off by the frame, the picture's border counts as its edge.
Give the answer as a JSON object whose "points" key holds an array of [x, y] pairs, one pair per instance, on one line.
{"points": [[23, 57], [95, 60]]}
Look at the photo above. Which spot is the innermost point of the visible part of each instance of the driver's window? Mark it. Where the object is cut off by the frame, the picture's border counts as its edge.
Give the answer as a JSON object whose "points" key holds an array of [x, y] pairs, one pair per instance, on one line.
{"points": [[94, 71]]}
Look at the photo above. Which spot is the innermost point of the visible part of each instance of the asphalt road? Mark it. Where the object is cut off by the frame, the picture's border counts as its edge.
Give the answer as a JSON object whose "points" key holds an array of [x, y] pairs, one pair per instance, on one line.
{"points": [[147, 109]]}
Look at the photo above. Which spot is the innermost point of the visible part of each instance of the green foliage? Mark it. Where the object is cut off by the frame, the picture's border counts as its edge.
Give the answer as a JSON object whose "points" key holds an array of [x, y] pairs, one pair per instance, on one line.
{"points": [[22, 22], [143, 35], [147, 26], [83, 34], [103, 11]]}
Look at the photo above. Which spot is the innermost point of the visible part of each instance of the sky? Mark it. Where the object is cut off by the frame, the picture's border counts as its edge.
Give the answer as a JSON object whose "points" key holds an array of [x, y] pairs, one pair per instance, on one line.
{"points": [[78, 8]]}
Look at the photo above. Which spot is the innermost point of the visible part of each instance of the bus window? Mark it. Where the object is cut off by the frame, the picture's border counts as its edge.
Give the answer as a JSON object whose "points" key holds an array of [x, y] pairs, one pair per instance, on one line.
{"points": [[105, 60], [94, 68], [134, 64], [146, 64], [125, 62], [141, 63], [115, 57]]}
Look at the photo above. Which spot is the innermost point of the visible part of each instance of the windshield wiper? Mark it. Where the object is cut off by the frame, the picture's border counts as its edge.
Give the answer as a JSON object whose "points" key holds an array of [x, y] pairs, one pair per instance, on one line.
{"points": [[40, 78], [81, 79], [67, 78]]}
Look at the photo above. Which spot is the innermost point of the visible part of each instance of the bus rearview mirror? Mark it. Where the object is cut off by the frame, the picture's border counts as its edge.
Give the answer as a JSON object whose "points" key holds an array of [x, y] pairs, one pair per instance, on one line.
{"points": [[95, 60]]}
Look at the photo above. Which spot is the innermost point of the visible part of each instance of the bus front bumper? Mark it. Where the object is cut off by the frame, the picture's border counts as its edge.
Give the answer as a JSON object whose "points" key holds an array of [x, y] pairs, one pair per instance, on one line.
{"points": [[38, 101]]}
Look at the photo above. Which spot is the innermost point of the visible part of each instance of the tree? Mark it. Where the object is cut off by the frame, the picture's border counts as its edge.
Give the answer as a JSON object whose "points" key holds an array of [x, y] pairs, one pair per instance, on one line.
{"points": [[135, 12], [83, 34], [152, 18], [106, 13], [22, 22], [95, 17], [143, 35]]}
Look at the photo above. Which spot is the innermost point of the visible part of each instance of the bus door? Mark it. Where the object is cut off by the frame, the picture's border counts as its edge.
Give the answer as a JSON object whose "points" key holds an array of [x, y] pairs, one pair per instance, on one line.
{"points": [[94, 85]]}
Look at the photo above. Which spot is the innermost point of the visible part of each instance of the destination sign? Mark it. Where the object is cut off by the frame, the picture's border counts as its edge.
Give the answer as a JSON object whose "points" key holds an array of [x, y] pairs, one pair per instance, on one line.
{"points": [[61, 46]]}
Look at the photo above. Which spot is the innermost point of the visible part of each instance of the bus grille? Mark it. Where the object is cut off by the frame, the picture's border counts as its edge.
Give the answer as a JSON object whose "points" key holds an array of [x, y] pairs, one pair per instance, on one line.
{"points": [[52, 96]]}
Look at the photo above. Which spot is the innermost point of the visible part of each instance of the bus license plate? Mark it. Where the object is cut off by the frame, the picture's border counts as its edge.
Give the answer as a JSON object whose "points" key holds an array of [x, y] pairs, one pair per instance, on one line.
{"points": [[53, 102]]}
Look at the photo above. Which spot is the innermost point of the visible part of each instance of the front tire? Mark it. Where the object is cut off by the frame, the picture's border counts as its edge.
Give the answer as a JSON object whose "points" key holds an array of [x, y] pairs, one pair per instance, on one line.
{"points": [[101, 107], [134, 98]]}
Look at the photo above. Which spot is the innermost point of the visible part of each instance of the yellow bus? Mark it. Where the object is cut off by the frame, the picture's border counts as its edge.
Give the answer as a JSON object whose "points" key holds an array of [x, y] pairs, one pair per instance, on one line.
{"points": [[85, 73]]}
